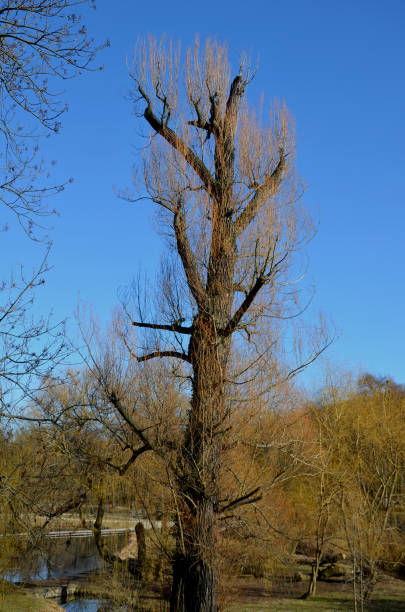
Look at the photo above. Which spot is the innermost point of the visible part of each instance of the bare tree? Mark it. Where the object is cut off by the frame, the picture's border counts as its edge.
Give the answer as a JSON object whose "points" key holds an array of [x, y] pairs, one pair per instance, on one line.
{"points": [[225, 184], [29, 347], [42, 43]]}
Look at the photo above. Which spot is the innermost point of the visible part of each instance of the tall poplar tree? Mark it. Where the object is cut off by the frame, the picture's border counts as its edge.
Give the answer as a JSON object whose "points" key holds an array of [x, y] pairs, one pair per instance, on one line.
{"points": [[225, 185]]}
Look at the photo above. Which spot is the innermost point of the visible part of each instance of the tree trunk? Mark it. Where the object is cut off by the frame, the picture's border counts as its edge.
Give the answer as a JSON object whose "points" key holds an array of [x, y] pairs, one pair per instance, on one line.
{"points": [[369, 579], [194, 575], [314, 576], [194, 586]]}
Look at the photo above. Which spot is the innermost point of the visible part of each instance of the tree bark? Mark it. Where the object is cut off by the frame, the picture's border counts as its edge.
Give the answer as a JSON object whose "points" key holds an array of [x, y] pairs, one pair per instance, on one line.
{"points": [[194, 580], [194, 586], [194, 583]]}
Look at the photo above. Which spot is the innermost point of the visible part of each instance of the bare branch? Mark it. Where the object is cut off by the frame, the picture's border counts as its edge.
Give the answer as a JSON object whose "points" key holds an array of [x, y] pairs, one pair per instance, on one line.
{"points": [[235, 96], [188, 260], [261, 280], [177, 143], [118, 405], [249, 498], [243, 308], [313, 358], [261, 194], [175, 327], [122, 469], [164, 354]]}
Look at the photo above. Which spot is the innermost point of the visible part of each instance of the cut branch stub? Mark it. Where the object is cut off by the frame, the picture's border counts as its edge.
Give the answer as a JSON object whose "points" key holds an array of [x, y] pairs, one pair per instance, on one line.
{"points": [[175, 327]]}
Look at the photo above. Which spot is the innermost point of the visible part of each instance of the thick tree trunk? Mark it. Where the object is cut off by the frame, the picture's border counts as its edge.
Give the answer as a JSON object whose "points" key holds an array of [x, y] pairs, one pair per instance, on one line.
{"points": [[194, 586], [194, 575]]}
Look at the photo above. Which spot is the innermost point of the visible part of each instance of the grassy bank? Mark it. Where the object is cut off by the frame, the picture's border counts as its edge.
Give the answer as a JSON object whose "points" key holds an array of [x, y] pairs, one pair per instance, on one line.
{"points": [[389, 596], [12, 599]]}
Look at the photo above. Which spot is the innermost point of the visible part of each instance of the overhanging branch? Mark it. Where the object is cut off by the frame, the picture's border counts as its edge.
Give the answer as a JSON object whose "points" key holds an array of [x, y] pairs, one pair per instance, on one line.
{"points": [[176, 354], [116, 402], [122, 469]]}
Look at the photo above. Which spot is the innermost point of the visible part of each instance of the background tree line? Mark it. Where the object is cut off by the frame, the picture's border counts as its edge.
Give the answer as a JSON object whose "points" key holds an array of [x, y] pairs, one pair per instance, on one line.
{"points": [[327, 476]]}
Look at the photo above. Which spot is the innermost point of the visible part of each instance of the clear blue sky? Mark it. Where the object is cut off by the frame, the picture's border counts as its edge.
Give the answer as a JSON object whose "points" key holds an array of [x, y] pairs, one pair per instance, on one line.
{"points": [[340, 67]]}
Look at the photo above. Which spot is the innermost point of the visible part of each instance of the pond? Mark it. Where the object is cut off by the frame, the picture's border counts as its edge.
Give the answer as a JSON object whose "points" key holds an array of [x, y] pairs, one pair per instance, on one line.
{"points": [[57, 557]]}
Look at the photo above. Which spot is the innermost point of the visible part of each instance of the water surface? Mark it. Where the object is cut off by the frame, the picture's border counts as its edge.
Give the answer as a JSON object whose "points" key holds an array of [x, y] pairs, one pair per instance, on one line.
{"points": [[58, 557]]}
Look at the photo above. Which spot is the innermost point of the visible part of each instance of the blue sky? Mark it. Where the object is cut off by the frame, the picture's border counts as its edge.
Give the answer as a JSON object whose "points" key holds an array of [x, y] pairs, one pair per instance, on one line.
{"points": [[340, 67]]}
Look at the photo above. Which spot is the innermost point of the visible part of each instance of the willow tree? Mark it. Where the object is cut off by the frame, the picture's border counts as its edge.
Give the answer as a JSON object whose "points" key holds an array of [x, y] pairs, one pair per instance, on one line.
{"points": [[225, 185]]}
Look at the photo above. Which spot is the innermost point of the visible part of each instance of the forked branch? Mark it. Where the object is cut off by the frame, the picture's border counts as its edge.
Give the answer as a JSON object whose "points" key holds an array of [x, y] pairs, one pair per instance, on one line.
{"points": [[121, 409], [249, 498], [178, 144], [261, 280], [122, 469], [154, 354]]}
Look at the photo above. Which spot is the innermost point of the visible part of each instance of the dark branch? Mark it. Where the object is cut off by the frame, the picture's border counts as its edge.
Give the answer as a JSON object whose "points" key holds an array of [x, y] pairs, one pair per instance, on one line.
{"points": [[188, 260], [249, 498], [243, 308], [175, 327], [235, 95], [315, 356], [177, 143], [122, 469], [261, 280], [165, 354], [199, 122], [204, 126], [116, 402], [268, 188], [72, 504]]}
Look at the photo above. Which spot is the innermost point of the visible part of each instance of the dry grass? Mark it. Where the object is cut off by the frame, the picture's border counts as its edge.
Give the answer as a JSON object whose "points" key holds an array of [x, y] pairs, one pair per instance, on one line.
{"points": [[13, 600]]}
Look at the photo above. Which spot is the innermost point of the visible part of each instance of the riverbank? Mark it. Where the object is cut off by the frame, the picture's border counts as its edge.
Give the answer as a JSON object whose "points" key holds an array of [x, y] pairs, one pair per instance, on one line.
{"points": [[60, 589], [15, 599]]}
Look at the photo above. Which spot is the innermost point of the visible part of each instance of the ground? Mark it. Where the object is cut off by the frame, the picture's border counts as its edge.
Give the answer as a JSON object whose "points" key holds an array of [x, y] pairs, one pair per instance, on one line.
{"points": [[253, 595], [12, 600], [248, 594]]}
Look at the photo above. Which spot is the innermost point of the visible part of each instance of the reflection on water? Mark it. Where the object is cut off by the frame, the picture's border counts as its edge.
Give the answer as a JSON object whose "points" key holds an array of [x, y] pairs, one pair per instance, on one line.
{"points": [[86, 605], [58, 557], [92, 605]]}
